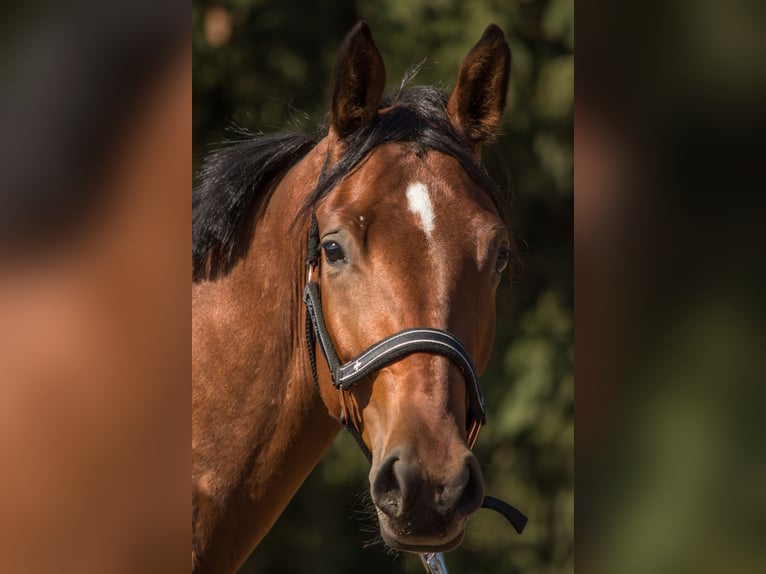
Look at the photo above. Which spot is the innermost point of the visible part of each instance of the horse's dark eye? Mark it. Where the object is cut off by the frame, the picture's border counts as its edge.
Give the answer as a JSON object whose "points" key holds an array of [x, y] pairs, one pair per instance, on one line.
{"points": [[502, 259], [333, 252]]}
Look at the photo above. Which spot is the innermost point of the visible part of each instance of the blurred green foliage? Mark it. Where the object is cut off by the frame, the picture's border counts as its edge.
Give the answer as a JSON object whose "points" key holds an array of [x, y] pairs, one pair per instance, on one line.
{"points": [[266, 66]]}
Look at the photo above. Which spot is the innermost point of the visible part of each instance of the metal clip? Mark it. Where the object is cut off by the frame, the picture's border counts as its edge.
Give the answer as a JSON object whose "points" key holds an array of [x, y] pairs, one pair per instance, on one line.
{"points": [[433, 562]]}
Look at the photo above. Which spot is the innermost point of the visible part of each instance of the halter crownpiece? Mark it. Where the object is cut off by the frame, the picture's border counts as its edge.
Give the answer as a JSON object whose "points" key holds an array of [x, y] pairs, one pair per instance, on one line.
{"points": [[383, 353]]}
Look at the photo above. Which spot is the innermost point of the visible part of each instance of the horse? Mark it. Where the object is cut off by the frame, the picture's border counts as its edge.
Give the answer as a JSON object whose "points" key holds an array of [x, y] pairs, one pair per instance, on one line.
{"points": [[349, 280]]}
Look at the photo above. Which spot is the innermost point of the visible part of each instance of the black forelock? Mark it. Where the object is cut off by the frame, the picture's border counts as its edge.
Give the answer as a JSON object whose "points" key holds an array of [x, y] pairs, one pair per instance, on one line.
{"points": [[418, 116]]}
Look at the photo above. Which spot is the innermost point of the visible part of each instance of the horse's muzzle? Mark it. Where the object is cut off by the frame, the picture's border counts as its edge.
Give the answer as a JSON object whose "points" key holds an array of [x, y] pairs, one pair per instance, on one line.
{"points": [[420, 512]]}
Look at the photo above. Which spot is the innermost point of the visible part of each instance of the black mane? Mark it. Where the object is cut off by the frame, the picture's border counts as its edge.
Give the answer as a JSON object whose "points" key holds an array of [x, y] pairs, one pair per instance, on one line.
{"points": [[235, 181]]}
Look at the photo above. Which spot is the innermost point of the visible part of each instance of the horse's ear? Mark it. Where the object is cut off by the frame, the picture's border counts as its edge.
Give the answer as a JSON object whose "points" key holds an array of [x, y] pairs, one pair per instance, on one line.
{"points": [[478, 99], [358, 83]]}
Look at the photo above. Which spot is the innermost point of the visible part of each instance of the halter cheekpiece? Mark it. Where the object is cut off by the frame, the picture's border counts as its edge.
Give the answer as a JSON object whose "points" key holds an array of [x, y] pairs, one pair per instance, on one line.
{"points": [[387, 351]]}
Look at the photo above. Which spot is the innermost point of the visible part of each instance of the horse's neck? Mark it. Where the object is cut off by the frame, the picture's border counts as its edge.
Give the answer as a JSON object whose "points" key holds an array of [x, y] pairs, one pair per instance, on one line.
{"points": [[258, 425]]}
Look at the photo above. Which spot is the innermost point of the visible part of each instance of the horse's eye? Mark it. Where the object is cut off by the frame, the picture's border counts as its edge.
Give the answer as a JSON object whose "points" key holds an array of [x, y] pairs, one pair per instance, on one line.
{"points": [[502, 259], [333, 252]]}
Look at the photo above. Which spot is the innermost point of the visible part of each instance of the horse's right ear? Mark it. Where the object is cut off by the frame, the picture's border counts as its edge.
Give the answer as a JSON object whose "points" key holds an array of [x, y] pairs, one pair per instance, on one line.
{"points": [[358, 83]]}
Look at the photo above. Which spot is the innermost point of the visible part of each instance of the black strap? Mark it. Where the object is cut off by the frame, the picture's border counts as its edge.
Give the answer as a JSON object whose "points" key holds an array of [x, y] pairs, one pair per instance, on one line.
{"points": [[418, 340], [357, 437], [313, 301], [315, 324], [312, 356], [390, 350], [312, 254], [513, 515]]}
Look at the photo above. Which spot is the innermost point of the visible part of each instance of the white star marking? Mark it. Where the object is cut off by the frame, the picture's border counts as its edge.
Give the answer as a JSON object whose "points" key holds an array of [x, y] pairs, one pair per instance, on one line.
{"points": [[419, 203]]}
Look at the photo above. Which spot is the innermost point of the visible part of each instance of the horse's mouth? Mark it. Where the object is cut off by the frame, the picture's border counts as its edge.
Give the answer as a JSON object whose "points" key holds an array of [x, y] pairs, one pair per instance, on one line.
{"points": [[406, 541]]}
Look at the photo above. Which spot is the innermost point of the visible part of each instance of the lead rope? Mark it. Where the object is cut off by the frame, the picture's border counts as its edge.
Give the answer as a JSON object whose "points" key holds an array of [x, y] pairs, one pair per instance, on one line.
{"points": [[433, 562]]}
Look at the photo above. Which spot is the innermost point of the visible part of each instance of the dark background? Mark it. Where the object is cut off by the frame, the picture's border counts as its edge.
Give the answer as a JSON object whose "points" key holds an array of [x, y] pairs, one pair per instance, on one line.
{"points": [[266, 66]]}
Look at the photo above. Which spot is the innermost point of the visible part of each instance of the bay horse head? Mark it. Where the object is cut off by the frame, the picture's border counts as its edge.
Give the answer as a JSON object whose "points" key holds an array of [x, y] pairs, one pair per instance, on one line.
{"points": [[406, 245], [412, 241]]}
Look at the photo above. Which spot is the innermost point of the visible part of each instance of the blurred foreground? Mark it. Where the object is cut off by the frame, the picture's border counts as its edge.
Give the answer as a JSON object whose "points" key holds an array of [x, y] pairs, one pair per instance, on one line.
{"points": [[669, 230], [94, 319]]}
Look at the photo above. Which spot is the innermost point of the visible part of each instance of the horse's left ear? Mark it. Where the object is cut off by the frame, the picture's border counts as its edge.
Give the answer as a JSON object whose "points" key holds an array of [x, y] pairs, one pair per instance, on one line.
{"points": [[478, 99], [358, 84]]}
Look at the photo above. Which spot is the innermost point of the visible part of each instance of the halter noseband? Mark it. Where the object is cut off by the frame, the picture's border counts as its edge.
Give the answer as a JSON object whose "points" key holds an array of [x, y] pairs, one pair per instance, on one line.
{"points": [[387, 351]]}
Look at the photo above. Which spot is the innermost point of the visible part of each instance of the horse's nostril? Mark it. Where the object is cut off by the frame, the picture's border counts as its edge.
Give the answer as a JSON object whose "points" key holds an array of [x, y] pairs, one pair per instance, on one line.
{"points": [[473, 490], [386, 490]]}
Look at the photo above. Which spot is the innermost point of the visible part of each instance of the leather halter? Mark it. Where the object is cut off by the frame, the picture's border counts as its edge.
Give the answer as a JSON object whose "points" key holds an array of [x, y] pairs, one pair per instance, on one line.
{"points": [[387, 351]]}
